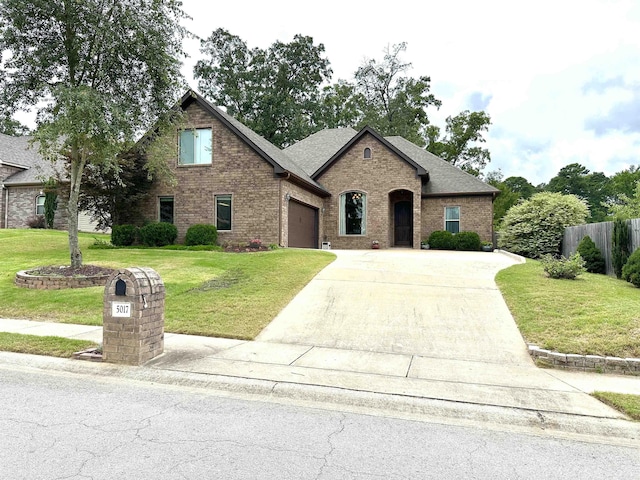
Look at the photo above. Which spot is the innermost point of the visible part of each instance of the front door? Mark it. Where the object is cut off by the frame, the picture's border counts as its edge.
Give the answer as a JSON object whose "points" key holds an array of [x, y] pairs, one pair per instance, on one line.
{"points": [[403, 224]]}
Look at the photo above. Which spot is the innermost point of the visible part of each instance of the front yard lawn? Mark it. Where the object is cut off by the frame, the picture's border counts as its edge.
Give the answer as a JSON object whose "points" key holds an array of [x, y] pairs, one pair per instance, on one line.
{"points": [[592, 315], [208, 293]]}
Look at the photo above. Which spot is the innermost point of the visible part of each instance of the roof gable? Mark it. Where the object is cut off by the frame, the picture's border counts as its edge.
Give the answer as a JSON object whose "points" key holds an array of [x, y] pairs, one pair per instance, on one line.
{"points": [[277, 158], [420, 170]]}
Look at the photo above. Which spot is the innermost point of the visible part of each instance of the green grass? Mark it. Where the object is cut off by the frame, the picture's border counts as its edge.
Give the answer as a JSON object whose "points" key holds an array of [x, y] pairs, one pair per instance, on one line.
{"points": [[208, 293], [592, 315], [625, 403], [36, 345]]}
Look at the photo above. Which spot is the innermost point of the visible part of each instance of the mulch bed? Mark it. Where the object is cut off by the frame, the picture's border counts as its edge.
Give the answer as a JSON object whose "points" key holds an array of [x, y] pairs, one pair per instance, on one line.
{"points": [[67, 271]]}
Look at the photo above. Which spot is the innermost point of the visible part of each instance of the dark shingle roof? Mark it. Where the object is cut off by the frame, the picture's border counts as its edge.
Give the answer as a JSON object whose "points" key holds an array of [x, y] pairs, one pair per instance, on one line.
{"points": [[444, 178], [18, 152], [314, 151]]}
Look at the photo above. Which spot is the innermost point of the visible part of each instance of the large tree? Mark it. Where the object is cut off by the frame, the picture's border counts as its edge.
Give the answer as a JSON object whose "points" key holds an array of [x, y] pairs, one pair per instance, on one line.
{"points": [[10, 126], [106, 70], [521, 186], [276, 92], [576, 179], [503, 202], [460, 143], [392, 102]]}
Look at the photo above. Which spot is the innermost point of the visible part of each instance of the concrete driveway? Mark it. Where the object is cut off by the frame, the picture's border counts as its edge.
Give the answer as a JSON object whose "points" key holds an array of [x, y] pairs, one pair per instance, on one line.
{"points": [[437, 304]]}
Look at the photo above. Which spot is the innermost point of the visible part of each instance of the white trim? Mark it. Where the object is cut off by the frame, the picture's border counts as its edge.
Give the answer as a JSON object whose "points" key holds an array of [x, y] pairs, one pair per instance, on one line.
{"points": [[341, 218]]}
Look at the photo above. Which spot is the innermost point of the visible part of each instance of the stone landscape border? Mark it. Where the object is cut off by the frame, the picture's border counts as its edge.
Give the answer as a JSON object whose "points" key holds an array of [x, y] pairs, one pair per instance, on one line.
{"points": [[587, 363], [48, 282]]}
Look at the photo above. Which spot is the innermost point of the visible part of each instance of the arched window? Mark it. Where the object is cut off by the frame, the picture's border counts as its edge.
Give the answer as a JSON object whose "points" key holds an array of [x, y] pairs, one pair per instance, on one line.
{"points": [[40, 205], [353, 213], [367, 153]]}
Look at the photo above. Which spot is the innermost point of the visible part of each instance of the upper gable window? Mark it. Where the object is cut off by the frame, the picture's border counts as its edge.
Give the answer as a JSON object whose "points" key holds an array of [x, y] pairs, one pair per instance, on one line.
{"points": [[195, 146], [367, 153]]}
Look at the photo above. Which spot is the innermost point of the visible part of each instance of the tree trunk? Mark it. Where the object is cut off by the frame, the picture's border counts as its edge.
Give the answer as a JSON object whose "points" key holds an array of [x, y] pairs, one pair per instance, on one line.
{"points": [[77, 166]]}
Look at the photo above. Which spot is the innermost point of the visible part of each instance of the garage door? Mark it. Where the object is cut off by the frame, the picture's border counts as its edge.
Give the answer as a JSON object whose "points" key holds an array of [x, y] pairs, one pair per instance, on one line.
{"points": [[303, 225]]}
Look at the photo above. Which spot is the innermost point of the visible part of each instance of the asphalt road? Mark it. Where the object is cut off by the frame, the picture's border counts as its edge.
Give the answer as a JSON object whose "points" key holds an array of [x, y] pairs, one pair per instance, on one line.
{"points": [[58, 425]]}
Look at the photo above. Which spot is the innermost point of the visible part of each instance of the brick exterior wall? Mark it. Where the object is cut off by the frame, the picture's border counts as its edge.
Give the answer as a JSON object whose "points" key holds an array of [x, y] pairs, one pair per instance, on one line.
{"points": [[379, 178], [476, 214], [236, 170], [22, 207]]}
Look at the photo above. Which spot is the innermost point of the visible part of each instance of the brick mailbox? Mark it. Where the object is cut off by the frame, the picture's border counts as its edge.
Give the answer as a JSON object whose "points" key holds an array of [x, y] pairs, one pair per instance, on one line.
{"points": [[133, 316]]}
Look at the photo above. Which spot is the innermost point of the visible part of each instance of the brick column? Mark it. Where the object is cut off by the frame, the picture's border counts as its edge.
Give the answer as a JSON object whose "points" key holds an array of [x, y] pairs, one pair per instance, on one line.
{"points": [[133, 316]]}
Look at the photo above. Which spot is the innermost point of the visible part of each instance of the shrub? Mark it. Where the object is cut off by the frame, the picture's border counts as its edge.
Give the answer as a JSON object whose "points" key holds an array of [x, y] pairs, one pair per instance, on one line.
{"points": [[441, 240], [201, 234], [620, 245], [536, 226], [568, 268], [631, 270], [592, 256], [37, 221], [158, 234], [124, 235], [468, 241]]}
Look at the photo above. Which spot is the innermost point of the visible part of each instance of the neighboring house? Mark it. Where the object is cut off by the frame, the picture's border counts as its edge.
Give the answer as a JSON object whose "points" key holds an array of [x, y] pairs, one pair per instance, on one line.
{"points": [[22, 171], [340, 186]]}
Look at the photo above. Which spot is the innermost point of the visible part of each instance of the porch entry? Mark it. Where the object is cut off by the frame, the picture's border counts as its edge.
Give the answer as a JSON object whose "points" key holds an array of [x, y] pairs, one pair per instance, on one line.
{"points": [[402, 210]]}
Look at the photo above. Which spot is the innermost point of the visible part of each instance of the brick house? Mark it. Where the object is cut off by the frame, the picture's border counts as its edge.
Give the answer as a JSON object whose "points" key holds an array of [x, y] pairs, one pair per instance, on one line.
{"points": [[341, 186], [22, 173]]}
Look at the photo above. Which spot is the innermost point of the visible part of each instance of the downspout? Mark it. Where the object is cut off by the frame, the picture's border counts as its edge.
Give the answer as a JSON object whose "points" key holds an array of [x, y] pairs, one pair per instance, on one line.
{"points": [[6, 206]]}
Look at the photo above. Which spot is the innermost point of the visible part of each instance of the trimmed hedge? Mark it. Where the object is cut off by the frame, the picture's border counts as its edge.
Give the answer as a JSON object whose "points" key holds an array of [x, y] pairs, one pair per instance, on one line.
{"points": [[201, 234], [158, 234], [124, 235], [467, 241], [441, 240], [592, 256]]}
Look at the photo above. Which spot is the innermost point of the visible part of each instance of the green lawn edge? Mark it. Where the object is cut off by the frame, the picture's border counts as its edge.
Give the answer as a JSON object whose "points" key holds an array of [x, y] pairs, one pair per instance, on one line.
{"points": [[42, 345], [592, 315], [623, 402]]}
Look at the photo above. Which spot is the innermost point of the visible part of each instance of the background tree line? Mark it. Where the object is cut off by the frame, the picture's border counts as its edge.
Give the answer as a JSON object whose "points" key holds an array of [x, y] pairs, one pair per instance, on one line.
{"points": [[606, 197]]}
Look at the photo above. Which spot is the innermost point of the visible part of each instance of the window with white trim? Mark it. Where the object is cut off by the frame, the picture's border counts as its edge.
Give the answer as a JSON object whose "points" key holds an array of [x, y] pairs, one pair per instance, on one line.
{"points": [[353, 213], [40, 205], [195, 146], [452, 219], [223, 212]]}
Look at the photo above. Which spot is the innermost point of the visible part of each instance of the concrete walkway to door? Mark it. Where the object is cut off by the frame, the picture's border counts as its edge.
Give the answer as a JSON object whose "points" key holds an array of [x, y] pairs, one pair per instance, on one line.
{"points": [[437, 304]]}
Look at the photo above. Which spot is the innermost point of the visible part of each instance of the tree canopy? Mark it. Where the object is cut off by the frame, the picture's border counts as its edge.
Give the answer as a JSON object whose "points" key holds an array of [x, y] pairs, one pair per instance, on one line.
{"points": [[106, 70], [283, 94], [459, 145], [594, 188], [276, 92]]}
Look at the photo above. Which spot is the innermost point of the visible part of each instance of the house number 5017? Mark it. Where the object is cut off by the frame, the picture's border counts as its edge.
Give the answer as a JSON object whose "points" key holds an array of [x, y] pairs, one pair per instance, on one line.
{"points": [[120, 309]]}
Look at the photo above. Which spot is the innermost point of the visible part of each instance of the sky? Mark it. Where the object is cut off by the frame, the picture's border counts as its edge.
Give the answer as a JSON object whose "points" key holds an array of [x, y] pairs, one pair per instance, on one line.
{"points": [[560, 79]]}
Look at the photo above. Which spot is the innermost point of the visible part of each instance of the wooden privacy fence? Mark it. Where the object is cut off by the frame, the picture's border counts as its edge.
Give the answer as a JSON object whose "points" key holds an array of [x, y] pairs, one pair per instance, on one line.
{"points": [[601, 234]]}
